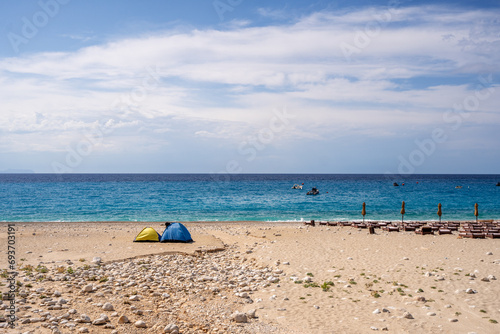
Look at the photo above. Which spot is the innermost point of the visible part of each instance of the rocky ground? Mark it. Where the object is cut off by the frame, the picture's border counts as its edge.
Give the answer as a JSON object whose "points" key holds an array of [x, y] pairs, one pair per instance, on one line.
{"points": [[154, 294]]}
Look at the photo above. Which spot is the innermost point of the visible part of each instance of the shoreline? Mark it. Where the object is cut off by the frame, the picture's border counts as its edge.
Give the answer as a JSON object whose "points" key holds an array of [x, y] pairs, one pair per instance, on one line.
{"points": [[251, 221]]}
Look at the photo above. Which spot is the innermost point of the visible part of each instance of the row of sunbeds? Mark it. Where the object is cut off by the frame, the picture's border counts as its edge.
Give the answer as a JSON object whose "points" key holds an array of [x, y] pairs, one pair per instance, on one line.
{"points": [[464, 229]]}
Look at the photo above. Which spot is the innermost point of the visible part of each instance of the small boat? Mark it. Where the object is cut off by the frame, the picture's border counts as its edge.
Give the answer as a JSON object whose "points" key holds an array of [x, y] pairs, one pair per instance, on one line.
{"points": [[498, 184], [395, 184], [458, 187], [313, 191], [297, 186]]}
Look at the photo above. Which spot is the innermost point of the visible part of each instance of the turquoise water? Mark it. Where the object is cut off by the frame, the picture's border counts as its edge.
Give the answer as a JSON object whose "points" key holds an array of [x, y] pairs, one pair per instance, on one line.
{"points": [[259, 197]]}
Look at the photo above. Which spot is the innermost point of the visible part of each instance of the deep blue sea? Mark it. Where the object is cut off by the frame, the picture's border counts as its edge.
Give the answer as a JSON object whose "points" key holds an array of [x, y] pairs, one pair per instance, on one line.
{"points": [[256, 197]]}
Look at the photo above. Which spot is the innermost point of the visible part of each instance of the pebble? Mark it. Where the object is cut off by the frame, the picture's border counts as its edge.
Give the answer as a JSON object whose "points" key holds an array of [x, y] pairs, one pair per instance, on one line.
{"points": [[88, 288], [84, 318], [239, 317], [171, 328], [123, 319], [140, 324], [99, 321], [251, 313], [273, 279], [407, 315], [108, 307]]}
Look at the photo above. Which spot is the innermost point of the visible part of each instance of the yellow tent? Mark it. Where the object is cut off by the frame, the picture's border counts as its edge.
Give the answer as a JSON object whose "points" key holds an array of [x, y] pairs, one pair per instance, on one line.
{"points": [[148, 234]]}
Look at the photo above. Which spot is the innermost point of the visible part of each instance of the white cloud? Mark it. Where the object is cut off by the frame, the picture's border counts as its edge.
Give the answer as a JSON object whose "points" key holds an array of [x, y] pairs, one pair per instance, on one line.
{"points": [[223, 85]]}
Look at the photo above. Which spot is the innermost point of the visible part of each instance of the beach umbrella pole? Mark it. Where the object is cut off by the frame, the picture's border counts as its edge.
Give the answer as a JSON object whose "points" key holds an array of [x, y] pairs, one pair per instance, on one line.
{"points": [[440, 212], [402, 212], [476, 211]]}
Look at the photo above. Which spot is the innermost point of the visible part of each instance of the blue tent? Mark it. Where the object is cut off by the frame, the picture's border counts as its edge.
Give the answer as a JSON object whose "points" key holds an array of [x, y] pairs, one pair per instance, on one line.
{"points": [[175, 232]]}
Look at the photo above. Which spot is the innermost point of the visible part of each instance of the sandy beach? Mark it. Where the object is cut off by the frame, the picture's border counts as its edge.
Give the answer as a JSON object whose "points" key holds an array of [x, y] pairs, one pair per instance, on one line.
{"points": [[251, 277]]}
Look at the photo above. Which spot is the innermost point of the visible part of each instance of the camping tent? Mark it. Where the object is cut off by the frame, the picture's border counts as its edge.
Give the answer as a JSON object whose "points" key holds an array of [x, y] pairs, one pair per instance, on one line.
{"points": [[175, 232], [148, 234]]}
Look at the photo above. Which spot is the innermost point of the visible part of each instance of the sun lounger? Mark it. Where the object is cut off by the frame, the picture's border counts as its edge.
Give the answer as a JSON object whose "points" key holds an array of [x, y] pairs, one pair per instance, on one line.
{"points": [[472, 235], [425, 230], [311, 223], [475, 231], [391, 228]]}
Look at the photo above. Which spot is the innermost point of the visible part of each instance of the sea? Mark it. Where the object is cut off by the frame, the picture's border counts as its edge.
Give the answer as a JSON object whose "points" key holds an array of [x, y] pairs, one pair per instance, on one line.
{"points": [[245, 197]]}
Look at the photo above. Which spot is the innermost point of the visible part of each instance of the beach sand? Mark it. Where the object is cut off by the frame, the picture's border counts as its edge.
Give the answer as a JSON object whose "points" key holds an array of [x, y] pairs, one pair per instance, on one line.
{"points": [[398, 282]]}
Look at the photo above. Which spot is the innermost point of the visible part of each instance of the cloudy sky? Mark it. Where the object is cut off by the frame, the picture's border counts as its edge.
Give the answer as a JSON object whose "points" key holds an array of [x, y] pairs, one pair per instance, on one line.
{"points": [[250, 86]]}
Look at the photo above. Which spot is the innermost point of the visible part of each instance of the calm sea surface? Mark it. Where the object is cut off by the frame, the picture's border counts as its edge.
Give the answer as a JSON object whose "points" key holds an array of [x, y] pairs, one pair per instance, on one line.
{"points": [[257, 197]]}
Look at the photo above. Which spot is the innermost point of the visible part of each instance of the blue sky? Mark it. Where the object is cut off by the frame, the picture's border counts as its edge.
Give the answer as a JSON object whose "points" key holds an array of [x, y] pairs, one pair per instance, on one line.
{"points": [[250, 86]]}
